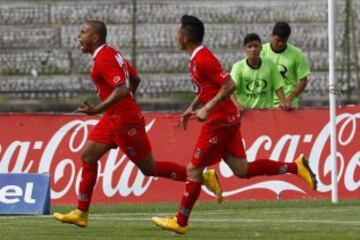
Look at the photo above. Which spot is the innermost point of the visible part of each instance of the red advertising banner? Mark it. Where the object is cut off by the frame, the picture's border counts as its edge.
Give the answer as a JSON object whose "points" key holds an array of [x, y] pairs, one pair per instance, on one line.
{"points": [[39, 143]]}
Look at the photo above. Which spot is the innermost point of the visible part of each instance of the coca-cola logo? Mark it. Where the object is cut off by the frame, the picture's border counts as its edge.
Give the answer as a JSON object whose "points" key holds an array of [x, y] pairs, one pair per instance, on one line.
{"points": [[66, 168], [117, 176], [319, 158]]}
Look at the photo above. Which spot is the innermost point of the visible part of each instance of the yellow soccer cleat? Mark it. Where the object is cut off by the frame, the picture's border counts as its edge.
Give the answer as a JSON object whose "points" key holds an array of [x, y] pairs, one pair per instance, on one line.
{"points": [[212, 184], [169, 223], [305, 172], [76, 216]]}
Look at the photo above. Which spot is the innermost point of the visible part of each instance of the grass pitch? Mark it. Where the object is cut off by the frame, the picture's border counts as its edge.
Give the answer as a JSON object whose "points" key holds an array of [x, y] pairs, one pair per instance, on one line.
{"points": [[290, 220]]}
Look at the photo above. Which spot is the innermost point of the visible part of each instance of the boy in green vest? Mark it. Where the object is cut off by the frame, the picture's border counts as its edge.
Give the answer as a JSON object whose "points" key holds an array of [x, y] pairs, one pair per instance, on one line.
{"points": [[257, 78], [290, 61]]}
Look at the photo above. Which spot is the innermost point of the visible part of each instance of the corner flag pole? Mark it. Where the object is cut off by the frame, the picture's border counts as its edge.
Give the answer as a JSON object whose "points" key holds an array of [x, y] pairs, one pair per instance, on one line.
{"points": [[332, 98]]}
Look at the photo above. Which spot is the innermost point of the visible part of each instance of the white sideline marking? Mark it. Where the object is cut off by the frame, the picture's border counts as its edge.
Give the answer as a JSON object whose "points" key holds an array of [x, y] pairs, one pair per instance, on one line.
{"points": [[227, 220], [195, 213], [113, 217]]}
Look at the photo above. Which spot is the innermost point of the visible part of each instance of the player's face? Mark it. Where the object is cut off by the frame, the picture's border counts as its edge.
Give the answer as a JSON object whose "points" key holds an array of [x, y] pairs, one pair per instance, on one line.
{"points": [[278, 43], [86, 38], [252, 49], [181, 37]]}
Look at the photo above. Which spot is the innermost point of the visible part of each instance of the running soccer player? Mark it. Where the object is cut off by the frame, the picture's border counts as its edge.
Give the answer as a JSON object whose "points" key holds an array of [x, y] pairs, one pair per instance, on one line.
{"points": [[122, 125], [257, 79], [290, 61], [220, 135]]}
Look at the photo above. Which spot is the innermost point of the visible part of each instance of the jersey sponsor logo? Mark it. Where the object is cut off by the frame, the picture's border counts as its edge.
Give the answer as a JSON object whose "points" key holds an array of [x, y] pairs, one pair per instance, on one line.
{"points": [[283, 70], [256, 86]]}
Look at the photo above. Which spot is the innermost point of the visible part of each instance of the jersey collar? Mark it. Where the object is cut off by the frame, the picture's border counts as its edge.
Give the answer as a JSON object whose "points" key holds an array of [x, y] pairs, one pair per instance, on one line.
{"points": [[272, 49], [193, 54], [98, 50]]}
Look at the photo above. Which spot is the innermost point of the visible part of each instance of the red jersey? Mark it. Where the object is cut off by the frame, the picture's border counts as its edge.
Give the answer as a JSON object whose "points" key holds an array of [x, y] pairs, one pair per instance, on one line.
{"points": [[111, 69], [207, 77]]}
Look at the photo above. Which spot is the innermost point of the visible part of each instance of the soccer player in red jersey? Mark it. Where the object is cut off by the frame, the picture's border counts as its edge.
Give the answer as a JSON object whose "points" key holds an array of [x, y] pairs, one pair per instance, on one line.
{"points": [[122, 124], [220, 135]]}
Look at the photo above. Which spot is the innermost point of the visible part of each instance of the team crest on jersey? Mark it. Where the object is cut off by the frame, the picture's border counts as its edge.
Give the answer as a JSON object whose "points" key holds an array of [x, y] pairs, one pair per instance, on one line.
{"points": [[116, 79]]}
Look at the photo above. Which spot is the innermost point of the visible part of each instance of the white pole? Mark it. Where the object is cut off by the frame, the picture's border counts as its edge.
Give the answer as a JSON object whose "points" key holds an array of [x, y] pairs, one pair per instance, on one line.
{"points": [[332, 97]]}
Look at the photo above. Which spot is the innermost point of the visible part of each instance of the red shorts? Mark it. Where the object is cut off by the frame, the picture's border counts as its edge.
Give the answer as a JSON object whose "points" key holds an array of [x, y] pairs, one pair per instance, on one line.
{"points": [[215, 143], [132, 140]]}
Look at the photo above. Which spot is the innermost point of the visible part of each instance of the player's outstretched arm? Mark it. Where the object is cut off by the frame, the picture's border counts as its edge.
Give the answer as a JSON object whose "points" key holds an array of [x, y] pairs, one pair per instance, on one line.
{"points": [[116, 95], [238, 104], [134, 79], [188, 113], [134, 83]]}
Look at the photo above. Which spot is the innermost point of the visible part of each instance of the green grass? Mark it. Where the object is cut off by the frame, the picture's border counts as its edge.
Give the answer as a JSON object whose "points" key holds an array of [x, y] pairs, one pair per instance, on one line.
{"points": [[290, 220]]}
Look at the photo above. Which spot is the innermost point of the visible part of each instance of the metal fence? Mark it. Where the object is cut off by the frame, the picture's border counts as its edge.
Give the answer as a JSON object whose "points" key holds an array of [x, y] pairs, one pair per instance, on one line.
{"points": [[39, 59]]}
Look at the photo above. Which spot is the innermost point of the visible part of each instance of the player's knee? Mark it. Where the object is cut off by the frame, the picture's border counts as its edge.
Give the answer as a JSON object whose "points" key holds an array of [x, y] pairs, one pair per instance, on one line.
{"points": [[147, 166], [87, 158], [240, 173], [147, 172], [194, 173]]}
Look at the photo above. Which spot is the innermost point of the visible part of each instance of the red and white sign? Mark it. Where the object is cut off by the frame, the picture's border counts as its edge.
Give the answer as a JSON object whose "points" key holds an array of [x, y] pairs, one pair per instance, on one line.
{"points": [[37, 143]]}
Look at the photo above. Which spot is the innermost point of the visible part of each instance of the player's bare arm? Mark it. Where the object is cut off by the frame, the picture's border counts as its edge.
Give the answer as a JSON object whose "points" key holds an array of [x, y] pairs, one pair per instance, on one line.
{"points": [[134, 83], [116, 95], [189, 112], [284, 102], [238, 104], [226, 90], [300, 87]]}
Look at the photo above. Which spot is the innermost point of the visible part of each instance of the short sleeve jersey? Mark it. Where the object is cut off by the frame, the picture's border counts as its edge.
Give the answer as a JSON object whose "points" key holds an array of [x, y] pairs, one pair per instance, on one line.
{"points": [[111, 69], [255, 87], [292, 66], [208, 77]]}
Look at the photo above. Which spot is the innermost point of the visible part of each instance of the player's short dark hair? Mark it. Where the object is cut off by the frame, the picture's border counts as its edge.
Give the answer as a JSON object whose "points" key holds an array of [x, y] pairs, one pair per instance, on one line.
{"points": [[99, 29], [282, 30], [194, 28], [251, 37]]}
